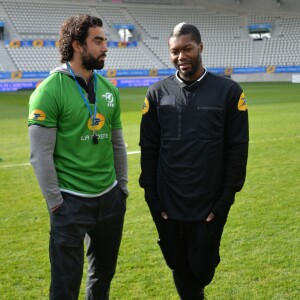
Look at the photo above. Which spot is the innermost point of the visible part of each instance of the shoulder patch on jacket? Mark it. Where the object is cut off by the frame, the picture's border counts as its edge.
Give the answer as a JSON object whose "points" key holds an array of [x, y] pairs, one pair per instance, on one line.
{"points": [[242, 105], [146, 106]]}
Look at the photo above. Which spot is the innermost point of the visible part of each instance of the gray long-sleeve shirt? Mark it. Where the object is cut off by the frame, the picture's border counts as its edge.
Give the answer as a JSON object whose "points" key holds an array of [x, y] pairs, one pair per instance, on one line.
{"points": [[42, 144]]}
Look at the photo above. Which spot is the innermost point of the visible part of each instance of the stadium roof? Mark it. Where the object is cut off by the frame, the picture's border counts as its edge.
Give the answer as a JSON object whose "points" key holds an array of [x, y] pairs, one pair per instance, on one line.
{"points": [[258, 6]]}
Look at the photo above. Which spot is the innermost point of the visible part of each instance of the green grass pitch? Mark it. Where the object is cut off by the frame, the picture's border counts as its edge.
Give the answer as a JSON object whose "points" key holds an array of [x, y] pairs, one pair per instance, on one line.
{"points": [[260, 247]]}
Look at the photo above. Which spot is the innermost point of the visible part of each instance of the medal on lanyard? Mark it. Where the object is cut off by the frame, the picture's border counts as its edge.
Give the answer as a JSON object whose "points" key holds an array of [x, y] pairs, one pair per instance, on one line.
{"points": [[92, 115]]}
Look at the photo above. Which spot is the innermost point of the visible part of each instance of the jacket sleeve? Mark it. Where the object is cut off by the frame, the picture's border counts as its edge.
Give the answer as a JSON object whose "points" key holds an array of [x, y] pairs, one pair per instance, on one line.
{"points": [[235, 154], [149, 143], [236, 145]]}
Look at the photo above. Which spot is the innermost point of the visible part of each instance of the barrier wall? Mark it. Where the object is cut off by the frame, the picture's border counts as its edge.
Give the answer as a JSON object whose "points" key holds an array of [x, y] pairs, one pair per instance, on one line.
{"points": [[121, 83], [112, 73]]}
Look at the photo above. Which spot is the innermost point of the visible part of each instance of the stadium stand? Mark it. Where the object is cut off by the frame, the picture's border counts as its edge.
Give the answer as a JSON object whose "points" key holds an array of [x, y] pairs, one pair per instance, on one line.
{"points": [[133, 57], [40, 20], [290, 26], [284, 49], [258, 19], [113, 15], [281, 52], [224, 33], [34, 59]]}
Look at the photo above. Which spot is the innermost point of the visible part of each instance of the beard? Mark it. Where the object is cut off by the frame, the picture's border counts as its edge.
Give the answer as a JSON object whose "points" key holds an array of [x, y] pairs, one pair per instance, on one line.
{"points": [[91, 63], [194, 69]]}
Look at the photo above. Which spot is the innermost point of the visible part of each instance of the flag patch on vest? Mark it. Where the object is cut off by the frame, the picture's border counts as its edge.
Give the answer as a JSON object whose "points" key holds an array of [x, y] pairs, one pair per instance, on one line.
{"points": [[242, 105], [145, 107], [37, 115]]}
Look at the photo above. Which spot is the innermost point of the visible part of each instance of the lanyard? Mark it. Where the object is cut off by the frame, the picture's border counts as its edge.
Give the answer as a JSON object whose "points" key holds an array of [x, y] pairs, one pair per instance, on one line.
{"points": [[93, 116]]}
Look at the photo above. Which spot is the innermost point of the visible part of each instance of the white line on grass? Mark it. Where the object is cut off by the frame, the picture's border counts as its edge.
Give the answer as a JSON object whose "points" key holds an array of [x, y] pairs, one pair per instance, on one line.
{"points": [[137, 152], [133, 152], [28, 164], [13, 166], [276, 140]]}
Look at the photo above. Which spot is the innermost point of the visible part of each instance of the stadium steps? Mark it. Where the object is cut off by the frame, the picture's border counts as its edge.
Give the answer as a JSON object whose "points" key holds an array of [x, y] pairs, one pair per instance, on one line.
{"points": [[257, 52], [138, 31], [151, 56], [276, 31], [10, 31], [244, 31], [111, 33], [6, 61]]}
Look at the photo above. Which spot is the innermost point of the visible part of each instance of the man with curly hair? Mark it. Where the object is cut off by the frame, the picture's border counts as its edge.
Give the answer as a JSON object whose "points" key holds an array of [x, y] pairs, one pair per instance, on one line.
{"points": [[79, 158]]}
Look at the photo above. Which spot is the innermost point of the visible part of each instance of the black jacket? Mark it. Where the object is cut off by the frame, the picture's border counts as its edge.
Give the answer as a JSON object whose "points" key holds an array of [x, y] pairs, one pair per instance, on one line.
{"points": [[194, 145]]}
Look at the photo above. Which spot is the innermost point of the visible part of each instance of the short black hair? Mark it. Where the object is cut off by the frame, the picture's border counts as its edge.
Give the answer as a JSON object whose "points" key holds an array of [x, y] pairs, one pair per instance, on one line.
{"points": [[185, 29]]}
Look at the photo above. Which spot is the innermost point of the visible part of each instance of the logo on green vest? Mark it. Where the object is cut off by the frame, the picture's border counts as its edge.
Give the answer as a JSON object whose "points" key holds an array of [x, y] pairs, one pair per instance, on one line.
{"points": [[109, 99]]}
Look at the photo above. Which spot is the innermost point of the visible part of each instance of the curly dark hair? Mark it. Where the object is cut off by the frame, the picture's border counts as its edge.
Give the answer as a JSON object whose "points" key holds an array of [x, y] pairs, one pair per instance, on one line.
{"points": [[75, 29]]}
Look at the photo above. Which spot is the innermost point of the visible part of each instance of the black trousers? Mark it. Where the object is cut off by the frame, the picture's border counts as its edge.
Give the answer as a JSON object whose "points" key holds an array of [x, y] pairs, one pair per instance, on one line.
{"points": [[191, 250], [99, 221]]}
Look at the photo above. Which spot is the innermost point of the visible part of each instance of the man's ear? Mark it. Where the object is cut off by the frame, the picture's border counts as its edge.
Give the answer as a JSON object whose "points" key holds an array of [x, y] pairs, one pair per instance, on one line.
{"points": [[77, 47], [201, 47]]}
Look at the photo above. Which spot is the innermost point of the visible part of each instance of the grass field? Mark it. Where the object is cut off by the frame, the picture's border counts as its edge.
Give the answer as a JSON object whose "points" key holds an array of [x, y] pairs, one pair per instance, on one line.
{"points": [[260, 249]]}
